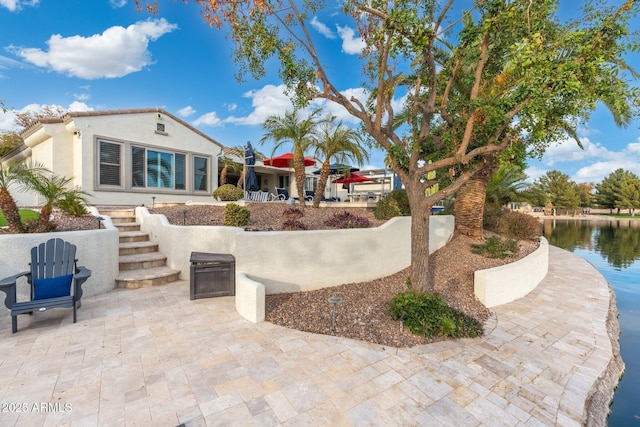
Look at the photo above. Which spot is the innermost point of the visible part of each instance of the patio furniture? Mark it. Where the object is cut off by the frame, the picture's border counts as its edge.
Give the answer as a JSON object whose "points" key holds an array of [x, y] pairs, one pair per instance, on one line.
{"points": [[309, 195], [52, 276], [283, 193]]}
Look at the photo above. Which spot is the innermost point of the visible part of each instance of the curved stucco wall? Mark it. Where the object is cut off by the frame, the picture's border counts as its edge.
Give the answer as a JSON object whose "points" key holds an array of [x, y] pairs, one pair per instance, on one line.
{"points": [[501, 285], [97, 250], [287, 261]]}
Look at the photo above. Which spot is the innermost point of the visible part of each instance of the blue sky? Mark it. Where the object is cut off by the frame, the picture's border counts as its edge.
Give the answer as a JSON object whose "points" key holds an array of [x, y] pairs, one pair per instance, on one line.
{"points": [[103, 55]]}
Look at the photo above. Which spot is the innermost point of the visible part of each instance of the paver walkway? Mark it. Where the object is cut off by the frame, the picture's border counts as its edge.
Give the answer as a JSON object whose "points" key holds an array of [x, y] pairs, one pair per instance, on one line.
{"points": [[152, 357]]}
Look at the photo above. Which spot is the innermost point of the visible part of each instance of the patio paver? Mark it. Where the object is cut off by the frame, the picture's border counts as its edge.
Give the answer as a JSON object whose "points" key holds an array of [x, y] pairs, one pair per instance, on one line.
{"points": [[152, 357]]}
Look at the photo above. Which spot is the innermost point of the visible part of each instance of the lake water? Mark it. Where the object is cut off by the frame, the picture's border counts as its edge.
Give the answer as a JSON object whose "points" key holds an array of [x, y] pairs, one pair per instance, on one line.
{"points": [[613, 247]]}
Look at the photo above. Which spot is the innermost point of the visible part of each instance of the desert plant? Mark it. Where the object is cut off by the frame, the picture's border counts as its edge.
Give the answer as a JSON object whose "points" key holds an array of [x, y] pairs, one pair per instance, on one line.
{"points": [[292, 213], [293, 225], [386, 209], [236, 215], [228, 193], [495, 247], [429, 315], [72, 205], [54, 190], [347, 220], [515, 225], [401, 198]]}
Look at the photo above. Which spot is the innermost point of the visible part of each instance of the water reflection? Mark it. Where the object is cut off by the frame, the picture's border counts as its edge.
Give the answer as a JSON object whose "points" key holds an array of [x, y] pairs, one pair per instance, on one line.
{"points": [[613, 247]]}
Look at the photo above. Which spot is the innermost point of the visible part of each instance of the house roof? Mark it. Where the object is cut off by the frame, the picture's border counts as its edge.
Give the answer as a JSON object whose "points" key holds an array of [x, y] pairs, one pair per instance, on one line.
{"points": [[70, 115]]}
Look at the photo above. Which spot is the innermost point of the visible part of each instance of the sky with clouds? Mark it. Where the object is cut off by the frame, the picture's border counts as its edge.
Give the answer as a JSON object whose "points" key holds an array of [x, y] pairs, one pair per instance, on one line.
{"points": [[104, 55]]}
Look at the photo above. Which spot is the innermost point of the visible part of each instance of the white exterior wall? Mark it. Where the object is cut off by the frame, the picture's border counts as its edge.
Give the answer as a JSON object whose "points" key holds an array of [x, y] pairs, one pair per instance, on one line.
{"points": [[287, 261], [501, 285], [140, 129], [70, 149]]}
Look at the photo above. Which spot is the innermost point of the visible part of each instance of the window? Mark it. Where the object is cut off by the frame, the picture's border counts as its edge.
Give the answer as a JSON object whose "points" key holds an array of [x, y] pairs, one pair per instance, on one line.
{"points": [[200, 169], [110, 162], [157, 169]]}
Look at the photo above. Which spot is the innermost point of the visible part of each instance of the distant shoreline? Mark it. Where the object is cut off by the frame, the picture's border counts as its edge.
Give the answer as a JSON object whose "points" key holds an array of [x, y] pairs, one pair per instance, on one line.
{"points": [[585, 217]]}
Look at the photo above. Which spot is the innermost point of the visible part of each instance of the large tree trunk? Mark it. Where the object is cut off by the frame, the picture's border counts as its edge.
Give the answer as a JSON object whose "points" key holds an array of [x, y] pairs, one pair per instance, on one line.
{"points": [[322, 183], [223, 176], [11, 213], [469, 203], [298, 170], [42, 225], [420, 213]]}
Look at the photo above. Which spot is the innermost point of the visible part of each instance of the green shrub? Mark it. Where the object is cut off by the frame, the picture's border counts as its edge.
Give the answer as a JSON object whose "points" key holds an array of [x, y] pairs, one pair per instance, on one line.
{"points": [[495, 247], [293, 225], [347, 220], [400, 197], [228, 193], [292, 213], [515, 225], [386, 209], [72, 205], [429, 315], [236, 215]]}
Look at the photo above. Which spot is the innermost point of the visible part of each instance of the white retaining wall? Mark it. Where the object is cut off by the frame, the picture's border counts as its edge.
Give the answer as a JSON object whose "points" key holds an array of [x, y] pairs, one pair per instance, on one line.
{"points": [[501, 285], [290, 261], [96, 249]]}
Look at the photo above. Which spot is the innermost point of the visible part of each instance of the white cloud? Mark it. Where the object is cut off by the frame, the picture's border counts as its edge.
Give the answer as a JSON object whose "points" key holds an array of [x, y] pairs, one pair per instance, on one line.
{"points": [[14, 5], [117, 4], [79, 106], [8, 121], [116, 52], [592, 164], [267, 101], [186, 111], [322, 29], [232, 107], [350, 43], [209, 119], [569, 151], [271, 100], [81, 96]]}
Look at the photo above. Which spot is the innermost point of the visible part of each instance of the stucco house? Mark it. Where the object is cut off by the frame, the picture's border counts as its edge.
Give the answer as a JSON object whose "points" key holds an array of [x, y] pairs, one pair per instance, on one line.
{"points": [[124, 157]]}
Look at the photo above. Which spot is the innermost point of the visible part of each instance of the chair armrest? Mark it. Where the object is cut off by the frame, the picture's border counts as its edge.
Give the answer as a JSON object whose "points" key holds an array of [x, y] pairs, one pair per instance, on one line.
{"points": [[81, 276], [8, 286]]}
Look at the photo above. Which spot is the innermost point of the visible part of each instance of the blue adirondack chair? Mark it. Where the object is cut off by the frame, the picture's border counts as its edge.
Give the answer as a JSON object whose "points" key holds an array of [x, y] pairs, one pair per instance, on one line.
{"points": [[55, 279]]}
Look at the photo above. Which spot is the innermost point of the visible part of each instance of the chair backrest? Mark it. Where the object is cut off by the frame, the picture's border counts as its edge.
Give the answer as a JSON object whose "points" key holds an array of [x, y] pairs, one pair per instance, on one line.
{"points": [[283, 192], [53, 258]]}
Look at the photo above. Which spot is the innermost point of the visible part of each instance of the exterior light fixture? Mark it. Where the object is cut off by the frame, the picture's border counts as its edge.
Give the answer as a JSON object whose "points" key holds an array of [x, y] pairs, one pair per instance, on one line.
{"points": [[99, 219], [334, 301], [153, 200], [184, 217]]}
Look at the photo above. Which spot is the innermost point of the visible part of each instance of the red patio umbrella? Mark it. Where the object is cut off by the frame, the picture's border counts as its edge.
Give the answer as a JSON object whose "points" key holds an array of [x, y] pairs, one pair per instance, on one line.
{"points": [[351, 179], [286, 161]]}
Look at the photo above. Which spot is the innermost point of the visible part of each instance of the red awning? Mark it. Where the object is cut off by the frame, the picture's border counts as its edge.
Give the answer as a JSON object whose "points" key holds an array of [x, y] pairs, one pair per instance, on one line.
{"points": [[286, 161]]}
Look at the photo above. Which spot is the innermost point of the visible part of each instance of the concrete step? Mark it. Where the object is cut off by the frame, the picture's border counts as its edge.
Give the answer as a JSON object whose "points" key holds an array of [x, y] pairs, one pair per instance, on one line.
{"points": [[142, 261], [122, 219], [115, 211], [133, 236], [127, 226], [134, 248], [135, 279]]}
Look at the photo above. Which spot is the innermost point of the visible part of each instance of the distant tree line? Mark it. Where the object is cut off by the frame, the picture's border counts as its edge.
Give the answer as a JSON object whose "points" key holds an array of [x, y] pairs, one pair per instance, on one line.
{"points": [[554, 190]]}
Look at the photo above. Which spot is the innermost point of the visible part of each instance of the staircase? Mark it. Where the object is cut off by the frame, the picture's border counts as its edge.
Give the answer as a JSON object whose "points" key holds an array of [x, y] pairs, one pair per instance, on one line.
{"points": [[141, 264]]}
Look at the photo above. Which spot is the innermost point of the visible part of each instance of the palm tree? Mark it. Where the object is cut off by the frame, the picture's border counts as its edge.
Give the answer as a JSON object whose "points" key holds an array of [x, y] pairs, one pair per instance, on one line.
{"points": [[298, 131], [505, 185], [21, 175], [228, 165], [54, 190], [339, 143]]}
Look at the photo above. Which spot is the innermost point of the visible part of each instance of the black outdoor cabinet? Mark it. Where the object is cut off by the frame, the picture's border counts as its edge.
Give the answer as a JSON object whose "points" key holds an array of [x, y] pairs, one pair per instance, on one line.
{"points": [[212, 275]]}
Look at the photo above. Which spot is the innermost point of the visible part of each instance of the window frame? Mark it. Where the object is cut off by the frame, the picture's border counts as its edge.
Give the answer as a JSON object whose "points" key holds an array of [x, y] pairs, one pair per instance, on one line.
{"points": [[126, 171]]}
